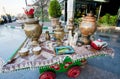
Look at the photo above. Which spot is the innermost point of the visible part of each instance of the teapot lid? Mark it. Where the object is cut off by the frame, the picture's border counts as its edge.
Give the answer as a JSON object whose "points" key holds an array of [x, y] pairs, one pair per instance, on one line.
{"points": [[58, 27]]}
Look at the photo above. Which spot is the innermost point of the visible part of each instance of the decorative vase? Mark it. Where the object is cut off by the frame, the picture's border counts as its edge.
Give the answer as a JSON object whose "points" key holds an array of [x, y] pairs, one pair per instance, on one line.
{"points": [[87, 28], [54, 22], [59, 34]]}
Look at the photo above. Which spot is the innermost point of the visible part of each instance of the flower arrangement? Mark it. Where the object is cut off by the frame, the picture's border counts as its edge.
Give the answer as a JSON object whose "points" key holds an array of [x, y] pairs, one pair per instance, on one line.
{"points": [[29, 11]]}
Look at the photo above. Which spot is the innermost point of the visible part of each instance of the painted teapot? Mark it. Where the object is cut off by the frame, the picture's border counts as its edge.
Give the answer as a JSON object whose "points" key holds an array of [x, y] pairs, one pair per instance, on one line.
{"points": [[99, 44]]}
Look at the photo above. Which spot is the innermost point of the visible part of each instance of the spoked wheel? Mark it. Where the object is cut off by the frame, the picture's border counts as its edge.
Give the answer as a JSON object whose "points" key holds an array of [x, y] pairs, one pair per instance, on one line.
{"points": [[47, 75], [74, 72]]}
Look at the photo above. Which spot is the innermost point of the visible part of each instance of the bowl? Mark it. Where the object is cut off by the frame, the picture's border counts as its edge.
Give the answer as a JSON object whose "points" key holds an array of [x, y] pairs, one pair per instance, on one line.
{"points": [[36, 50], [23, 52]]}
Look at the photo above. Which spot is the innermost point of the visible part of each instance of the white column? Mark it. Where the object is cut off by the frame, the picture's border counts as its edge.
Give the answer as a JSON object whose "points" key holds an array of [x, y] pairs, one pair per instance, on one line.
{"points": [[70, 9], [99, 12]]}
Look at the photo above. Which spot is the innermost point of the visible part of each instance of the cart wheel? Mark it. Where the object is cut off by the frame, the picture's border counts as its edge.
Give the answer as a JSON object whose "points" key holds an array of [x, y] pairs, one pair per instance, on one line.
{"points": [[47, 75], [74, 72]]}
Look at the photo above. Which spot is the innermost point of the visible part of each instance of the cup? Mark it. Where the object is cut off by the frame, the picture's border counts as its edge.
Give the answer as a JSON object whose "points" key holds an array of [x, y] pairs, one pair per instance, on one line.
{"points": [[36, 50], [23, 52]]}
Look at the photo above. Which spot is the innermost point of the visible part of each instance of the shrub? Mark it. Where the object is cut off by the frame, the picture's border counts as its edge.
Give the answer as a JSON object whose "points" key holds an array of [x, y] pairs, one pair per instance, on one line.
{"points": [[108, 19], [77, 21], [113, 20], [54, 9]]}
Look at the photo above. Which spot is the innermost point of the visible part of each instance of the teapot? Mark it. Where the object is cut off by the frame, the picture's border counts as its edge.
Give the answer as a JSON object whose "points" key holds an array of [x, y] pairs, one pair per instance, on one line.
{"points": [[98, 44]]}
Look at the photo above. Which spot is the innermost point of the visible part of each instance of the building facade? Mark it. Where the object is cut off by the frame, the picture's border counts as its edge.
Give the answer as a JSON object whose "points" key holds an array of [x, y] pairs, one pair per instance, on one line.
{"points": [[77, 8]]}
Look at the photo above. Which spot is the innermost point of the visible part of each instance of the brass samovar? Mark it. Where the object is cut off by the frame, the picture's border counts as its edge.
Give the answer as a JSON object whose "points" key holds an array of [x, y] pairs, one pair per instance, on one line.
{"points": [[87, 28], [32, 28], [59, 33]]}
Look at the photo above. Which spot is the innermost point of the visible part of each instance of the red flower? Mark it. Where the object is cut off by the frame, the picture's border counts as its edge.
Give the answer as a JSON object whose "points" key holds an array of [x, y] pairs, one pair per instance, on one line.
{"points": [[29, 10]]}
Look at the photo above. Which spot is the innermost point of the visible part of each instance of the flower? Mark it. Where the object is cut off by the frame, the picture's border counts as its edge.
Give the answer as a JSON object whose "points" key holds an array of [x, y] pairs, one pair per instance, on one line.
{"points": [[29, 10]]}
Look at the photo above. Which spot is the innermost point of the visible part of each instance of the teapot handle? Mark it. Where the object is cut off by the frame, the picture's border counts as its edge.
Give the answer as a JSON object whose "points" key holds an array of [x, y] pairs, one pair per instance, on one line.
{"points": [[105, 44]]}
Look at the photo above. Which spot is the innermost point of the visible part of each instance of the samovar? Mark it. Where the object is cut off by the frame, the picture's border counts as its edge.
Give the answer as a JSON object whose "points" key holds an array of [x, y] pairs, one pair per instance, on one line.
{"points": [[32, 28], [87, 28], [59, 33]]}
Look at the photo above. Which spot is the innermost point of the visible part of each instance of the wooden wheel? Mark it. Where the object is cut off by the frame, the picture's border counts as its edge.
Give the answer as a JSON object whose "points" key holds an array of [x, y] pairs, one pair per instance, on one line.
{"points": [[47, 75], [74, 72]]}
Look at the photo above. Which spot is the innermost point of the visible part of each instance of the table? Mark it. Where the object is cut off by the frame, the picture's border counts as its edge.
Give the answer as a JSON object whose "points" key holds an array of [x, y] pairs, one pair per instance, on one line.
{"points": [[49, 63]]}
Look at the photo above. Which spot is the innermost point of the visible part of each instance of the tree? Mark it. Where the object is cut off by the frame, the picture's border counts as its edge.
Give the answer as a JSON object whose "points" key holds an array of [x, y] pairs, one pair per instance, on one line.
{"points": [[41, 11]]}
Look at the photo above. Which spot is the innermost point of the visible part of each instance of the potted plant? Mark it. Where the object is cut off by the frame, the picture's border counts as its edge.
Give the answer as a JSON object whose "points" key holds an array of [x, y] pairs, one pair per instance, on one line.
{"points": [[54, 11]]}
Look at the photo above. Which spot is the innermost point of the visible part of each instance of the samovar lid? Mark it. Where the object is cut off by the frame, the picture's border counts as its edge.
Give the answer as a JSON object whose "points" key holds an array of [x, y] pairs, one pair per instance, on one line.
{"points": [[89, 17], [58, 27]]}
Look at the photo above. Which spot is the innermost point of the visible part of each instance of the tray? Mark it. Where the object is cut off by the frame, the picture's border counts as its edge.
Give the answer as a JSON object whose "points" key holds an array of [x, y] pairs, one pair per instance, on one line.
{"points": [[64, 50]]}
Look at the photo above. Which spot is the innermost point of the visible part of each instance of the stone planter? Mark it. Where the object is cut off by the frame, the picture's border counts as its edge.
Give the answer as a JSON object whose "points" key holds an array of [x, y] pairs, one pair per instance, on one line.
{"points": [[54, 22]]}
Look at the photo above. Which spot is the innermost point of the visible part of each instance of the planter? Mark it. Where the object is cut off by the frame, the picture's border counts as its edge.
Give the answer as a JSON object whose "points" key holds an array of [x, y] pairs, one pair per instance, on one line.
{"points": [[108, 29], [54, 22]]}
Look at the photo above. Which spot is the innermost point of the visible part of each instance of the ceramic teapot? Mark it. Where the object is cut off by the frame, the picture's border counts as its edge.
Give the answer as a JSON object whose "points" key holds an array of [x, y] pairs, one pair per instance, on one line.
{"points": [[98, 44]]}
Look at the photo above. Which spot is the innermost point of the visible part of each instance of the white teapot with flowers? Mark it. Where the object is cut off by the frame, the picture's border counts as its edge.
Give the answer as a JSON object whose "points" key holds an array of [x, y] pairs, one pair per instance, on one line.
{"points": [[98, 44], [29, 11]]}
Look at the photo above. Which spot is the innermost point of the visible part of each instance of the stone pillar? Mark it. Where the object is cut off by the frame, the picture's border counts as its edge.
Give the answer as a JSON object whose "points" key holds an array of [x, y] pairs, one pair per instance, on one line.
{"points": [[70, 9]]}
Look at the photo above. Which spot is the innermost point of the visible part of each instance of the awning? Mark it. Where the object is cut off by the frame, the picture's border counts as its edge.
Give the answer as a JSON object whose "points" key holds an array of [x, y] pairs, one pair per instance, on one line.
{"points": [[99, 0]]}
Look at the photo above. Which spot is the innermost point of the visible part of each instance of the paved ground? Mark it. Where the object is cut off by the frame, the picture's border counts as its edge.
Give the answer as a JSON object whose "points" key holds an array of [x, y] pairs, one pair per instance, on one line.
{"points": [[97, 68]]}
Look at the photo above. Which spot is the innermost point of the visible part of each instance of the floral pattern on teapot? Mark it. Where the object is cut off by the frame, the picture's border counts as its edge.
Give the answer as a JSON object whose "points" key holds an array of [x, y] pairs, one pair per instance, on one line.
{"points": [[99, 44]]}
